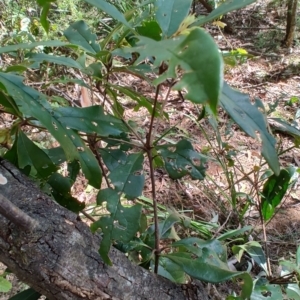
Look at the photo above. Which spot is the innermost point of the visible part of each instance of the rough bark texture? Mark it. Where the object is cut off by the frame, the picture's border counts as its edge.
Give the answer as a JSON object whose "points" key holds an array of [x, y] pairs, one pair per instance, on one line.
{"points": [[291, 22], [59, 257]]}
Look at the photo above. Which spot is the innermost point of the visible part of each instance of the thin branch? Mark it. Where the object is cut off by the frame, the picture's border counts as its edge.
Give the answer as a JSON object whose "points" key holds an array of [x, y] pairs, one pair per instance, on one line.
{"points": [[155, 213], [148, 147], [87, 216], [16, 215]]}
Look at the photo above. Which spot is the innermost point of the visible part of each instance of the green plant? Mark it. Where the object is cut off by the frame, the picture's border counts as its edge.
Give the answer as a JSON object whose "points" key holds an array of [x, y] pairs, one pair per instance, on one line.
{"points": [[155, 44], [5, 285], [286, 283]]}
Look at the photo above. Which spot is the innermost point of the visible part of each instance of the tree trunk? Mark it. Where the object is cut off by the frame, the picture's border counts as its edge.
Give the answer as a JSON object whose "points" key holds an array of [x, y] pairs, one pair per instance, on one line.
{"points": [[290, 22], [51, 250]]}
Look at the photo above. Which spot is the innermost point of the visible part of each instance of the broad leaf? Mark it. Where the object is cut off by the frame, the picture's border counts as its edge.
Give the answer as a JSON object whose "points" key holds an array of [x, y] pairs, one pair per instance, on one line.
{"points": [[29, 294], [60, 60], [30, 154], [184, 160], [57, 155], [5, 285], [113, 158], [52, 43], [168, 269], [141, 100], [283, 126], [79, 34], [197, 55], [121, 225], [293, 291], [233, 233], [265, 291], [61, 191], [32, 103], [110, 10], [9, 104], [196, 246], [209, 268], [274, 190], [298, 257], [16, 68], [255, 250], [223, 9], [150, 29], [127, 178], [251, 120], [91, 120], [169, 14], [45, 10]]}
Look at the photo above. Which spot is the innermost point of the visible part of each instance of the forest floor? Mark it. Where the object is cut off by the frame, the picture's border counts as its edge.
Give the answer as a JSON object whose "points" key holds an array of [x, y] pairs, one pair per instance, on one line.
{"points": [[272, 74]]}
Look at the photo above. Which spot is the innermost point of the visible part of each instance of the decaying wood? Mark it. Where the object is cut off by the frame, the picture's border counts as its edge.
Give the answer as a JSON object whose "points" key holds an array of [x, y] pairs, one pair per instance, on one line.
{"points": [[58, 256]]}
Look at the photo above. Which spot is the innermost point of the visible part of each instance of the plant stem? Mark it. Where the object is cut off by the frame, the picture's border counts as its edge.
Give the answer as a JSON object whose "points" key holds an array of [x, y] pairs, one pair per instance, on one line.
{"points": [[263, 225], [148, 148], [155, 213]]}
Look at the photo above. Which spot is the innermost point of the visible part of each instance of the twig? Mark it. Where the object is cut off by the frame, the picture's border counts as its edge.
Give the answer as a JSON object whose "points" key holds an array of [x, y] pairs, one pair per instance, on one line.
{"points": [[222, 227], [16, 215], [148, 148], [87, 216]]}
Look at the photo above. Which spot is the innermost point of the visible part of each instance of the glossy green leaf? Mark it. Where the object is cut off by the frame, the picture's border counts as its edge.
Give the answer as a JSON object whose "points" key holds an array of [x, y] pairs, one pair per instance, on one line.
{"points": [[265, 291], [29, 294], [273, 192], [52, 43], [16, 69], [288, 267], [128, 178], [233, 233], [169, 222], [9, 104], [45, 10], [61, 191], [168, 269], [251, 121], [196, 246], [298, 256], [150, 29], [170, 13], [94, 70], [256, 252], [31, 155], [113, 158], [73, 170], [293, 291], [141, 100], [33, 103], [110, 10], [91, 120], [79, 34], [203, 77], [224, 8], [210, 268], [138, 70], [285, 127], [59, 60], [184, 160], [57, 155], [198, 57], [12, 154], [121, 225], [5, 285]]}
